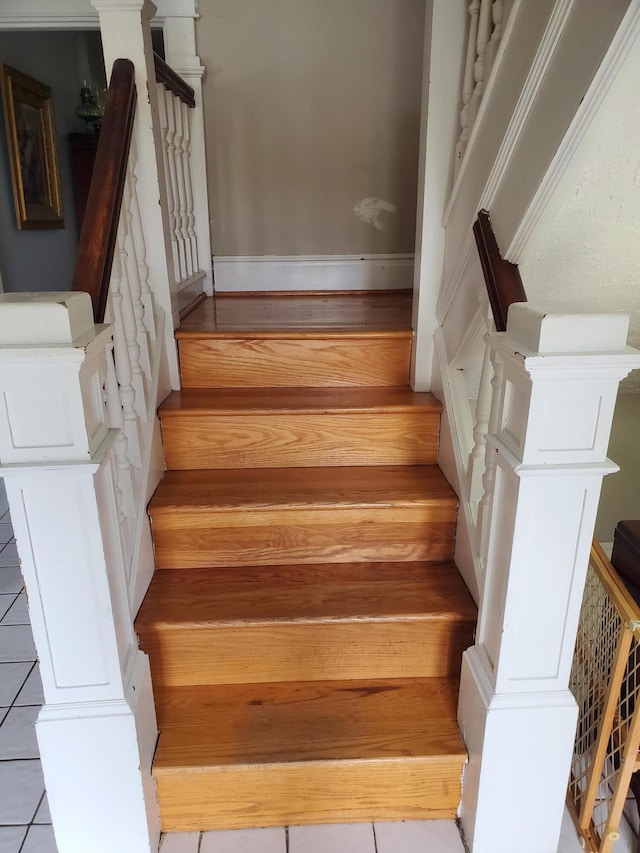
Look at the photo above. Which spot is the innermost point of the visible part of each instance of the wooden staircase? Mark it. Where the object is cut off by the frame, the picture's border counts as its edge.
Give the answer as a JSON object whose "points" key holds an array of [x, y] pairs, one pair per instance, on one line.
{"points": [[306, 624]]}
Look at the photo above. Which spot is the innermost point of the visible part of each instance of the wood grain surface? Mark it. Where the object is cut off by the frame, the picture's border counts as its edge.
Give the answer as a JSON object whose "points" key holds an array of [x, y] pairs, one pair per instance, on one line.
{"points": [[318, 360], [306, 630], [330, 312], [265, 428], [209, 627], [275, 754]]}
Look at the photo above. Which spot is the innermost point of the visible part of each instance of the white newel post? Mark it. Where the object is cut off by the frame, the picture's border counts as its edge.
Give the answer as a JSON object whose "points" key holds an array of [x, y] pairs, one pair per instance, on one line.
{"points": [[180, 48], [126, 32], [560, 378], [97, 729]]}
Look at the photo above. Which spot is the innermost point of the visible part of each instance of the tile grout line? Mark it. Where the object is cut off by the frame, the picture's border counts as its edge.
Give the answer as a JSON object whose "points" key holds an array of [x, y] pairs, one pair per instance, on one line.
{"points": [[375, 837], [286, 839], [15, 698]]}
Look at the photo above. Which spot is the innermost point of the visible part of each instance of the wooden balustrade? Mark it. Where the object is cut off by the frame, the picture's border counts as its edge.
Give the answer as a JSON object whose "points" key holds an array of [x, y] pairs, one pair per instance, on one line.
{"points": [[175, 100], [112, 266], [485, 32]]}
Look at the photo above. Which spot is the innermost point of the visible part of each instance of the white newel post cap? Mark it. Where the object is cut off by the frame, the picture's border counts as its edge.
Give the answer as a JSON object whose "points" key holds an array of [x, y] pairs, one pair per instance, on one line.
{"points": [[562, 365], [44, 318], [52, 365], [558, 327]]}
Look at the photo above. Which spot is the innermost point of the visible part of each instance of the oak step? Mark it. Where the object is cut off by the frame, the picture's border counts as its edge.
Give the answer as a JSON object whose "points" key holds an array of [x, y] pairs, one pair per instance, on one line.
{"points": [[305, 313], [302, 515], [234, 756], [266, 428], [320, 359], [305, 623]]}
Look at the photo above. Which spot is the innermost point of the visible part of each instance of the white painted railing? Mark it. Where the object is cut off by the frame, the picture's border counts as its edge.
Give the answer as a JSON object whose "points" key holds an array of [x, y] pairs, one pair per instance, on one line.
{"points": [[538, 437], [81, 453], [484, 34], [131, 383], [174, 110]]}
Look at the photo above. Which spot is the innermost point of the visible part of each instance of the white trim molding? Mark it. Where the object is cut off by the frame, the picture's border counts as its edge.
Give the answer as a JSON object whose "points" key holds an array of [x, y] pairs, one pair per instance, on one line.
{"points": [[245, 274], [74, 14], [544, 207]]}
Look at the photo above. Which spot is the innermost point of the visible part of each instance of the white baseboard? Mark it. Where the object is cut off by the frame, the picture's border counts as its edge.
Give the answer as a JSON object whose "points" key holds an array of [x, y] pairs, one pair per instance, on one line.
{"points": [[243, 274]]}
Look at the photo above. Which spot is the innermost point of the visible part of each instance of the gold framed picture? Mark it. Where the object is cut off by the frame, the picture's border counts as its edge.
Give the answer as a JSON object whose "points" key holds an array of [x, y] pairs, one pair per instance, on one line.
{"points": [[32, 150]]}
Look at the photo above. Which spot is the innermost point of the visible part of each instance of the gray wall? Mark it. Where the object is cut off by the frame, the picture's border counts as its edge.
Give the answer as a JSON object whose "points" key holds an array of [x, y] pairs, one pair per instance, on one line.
{"points": [[41, 259], [310, 107]]}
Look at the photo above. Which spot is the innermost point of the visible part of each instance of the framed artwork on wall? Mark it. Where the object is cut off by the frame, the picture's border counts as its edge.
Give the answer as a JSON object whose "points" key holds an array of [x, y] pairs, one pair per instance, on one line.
{"points": [[32, 151]]}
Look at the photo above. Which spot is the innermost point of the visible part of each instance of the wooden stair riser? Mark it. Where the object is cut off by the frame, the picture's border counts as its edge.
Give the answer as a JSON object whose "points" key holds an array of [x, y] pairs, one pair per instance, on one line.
{"points": [[323, 361], [312, 752], [236, 797], [193, 441], [211, 654], [337, 535]]}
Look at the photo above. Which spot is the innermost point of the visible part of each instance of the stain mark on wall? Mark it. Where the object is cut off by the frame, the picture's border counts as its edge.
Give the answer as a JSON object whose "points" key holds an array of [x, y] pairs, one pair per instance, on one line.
{"points": [[370, 209]]}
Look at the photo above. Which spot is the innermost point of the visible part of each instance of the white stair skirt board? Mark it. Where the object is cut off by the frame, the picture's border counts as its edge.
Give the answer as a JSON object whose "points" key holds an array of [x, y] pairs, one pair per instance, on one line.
{"points": [[245, 274]]}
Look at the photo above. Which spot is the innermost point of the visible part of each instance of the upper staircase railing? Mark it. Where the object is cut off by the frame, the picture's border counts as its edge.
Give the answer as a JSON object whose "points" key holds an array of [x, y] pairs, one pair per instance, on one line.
{"points": [[484, 34], [175, 99]]}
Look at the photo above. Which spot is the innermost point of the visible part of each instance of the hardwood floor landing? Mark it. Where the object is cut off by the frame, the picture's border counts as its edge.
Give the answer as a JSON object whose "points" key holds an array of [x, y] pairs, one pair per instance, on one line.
{"points": [[371, 312]]}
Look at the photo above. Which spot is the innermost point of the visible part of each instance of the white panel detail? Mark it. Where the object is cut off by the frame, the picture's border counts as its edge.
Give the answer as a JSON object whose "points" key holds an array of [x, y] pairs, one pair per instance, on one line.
{"points": [[28, 429], [65, 570], [569, 422]]}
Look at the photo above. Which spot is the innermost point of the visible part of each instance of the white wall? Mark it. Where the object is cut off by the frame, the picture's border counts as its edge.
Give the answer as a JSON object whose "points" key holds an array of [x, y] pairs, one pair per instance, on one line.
{"points": [[43, 259]]}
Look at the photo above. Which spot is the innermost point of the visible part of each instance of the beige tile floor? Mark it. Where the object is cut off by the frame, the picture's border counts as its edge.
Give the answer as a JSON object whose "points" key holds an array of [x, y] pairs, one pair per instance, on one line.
{"points": [[25, 823]]}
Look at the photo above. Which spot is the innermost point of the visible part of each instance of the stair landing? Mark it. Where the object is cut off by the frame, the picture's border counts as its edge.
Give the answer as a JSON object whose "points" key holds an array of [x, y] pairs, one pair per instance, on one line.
{"points": [[306, 624]]}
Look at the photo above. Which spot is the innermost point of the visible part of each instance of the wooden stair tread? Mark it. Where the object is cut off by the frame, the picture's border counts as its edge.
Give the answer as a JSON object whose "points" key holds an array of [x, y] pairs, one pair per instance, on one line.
{"points": [[275, 489], [270, 316], [282, 594], [254, 724], [297, 400]]}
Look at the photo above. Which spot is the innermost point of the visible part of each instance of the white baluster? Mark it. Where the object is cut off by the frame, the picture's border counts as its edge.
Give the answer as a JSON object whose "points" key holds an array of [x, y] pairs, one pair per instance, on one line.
{"points": [[468, 82], [497, 13], [125, 481], [191, 216], [146, 295], [125, 246], [124, 370], [183, 218], [170, 177], [135, 269], [476, 465], [172, 157], [488, 476], [484, 34]]}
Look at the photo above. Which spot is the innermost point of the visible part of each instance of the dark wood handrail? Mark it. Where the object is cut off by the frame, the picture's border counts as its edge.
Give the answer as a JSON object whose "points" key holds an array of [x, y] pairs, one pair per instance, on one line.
{"points": [[171, 80], [501, 277], [98, 236]]}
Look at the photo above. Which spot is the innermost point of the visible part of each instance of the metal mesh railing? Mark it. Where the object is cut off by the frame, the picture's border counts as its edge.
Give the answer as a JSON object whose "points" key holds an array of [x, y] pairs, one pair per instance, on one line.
{"points": [[605, 678]]}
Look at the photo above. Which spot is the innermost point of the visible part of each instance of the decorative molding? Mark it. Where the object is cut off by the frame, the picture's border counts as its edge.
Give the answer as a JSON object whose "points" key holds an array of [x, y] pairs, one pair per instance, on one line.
{"points": [[76, 14], [242, 274], [491, 82], [565, 157], [544, 55]]}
